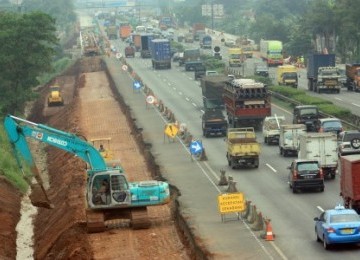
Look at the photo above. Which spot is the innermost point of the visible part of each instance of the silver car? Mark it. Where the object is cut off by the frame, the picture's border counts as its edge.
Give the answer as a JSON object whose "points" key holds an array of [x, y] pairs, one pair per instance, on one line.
{"points": [[349, 142]]}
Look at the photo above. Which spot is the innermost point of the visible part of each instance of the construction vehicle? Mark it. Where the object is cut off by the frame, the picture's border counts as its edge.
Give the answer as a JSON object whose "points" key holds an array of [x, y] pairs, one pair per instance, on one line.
{"points": [[271, 129], [322, 147], [212, 88], [247, 102], [272, 52], [350, 180], [287, 75], [236, 57], [242, 147], [89, 43], [322, 74], [290, 138], [123, 198], [55, 98], [214, 123], [352, 77]]}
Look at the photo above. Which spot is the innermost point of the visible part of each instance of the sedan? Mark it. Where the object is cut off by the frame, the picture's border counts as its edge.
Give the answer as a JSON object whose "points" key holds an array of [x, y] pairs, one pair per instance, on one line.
{"points": [[337, 226]]}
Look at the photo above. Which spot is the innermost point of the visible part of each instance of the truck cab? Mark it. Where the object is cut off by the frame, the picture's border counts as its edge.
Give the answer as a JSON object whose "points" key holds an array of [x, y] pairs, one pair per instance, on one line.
{"points": [[214, 123]]}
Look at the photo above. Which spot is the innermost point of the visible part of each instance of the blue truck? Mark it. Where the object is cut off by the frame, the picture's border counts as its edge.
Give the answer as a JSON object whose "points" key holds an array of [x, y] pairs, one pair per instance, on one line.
{"points": [[160, 54], [206, 42], [145, 45]]}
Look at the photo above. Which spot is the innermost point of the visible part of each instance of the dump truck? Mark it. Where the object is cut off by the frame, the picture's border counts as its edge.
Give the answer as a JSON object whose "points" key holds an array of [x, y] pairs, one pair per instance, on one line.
{"points": [[247, 102], [350, 181], [272, 52], [160, 54], [287, 75], [112, 32], [246, 45], [55, 98], [205, 41], [271, 128], [145, 45], [352, 76], [322, 74], [236, 57], [212, 88], [198, 30], [214, 123], [242, 147], [290, 138], [124, 31], [322, 147], [192, 59]]}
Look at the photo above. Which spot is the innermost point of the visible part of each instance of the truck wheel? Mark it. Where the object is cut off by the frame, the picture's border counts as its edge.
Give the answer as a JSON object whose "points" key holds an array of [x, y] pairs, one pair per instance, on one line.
{"points": [[294, 189], [256, 163], [281, 151], [265, 140], [332, 176]]}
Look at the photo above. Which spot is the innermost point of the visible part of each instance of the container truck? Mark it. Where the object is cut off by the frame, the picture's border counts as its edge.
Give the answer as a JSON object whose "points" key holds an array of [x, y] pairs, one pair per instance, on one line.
{"points": [[350, 181], [289, 138], [212, 88], [214, 123], [271, 129], [205, 42], [247, 102], [145, 45], [198, 30], [322, 74], [136, 39], [236, 57], [287, 75], [242, 147], [160, 54], [352, 77], [322, 147], [272, 52], [191, 59]]}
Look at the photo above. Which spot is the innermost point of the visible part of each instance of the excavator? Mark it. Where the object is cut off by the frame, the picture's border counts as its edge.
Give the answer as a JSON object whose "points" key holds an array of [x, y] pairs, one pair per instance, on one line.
{"points": [[122, 200]]}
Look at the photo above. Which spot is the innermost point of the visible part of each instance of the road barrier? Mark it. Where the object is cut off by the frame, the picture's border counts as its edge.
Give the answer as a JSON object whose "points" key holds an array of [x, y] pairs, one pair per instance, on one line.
{"points": [[258, 224], [252, 215], [268, 234], [232, 185], [245, 214], [222, 180]]}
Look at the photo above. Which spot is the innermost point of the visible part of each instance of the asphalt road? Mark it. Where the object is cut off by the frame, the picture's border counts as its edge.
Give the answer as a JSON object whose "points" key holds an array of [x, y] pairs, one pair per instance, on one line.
{"points": [[291, 214]]}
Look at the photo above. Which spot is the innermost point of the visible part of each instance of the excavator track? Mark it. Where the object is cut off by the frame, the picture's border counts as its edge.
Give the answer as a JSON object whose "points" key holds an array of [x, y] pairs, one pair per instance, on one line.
{"points": [[95, 221], [139, 218]]}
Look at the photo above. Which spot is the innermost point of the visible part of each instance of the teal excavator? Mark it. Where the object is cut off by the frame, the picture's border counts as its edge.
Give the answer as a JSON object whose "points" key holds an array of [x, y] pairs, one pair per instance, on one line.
{"points": [[121, 199]]}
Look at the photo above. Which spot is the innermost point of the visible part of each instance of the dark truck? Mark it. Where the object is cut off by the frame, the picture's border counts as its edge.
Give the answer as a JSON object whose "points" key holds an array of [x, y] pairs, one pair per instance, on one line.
{"points": [[145, 45], [214, 123], [199, 71], [307, 115], [191, 59], [322, 74], [212, 90]]}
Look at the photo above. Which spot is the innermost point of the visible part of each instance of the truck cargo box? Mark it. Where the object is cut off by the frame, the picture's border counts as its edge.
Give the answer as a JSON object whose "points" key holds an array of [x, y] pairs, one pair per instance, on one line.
{"points": [[160, 53], [350, 177], [315, 61]]}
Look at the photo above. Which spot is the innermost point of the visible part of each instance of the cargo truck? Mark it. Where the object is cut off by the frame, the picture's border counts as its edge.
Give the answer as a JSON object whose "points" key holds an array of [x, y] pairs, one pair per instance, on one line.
{"points": [[352, 77], [271, 129], [199, 71], [212, 88], [322, 147], [236, 57], [322, 74], [112, 32], [350, 181], [247, 102], [289, 138], [272, 52], [214, 123], [198, 30], [160, 54], [124, 31], [205, 42], [145, 45], [242, 147], [191, 59], [136, 39], [287, 75]]}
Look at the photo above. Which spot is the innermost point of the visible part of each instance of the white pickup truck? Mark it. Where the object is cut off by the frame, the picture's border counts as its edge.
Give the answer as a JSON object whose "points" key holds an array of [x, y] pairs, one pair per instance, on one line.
{"points": [[271, 128]]}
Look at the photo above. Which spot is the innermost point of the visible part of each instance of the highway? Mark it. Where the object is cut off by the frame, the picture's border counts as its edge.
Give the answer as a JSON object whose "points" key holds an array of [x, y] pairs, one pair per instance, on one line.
{"points": [[291, 214]]}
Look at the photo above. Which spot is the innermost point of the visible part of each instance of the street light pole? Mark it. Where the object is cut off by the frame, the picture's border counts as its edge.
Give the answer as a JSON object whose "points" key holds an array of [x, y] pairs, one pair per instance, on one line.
{"points": [[212, 15]]}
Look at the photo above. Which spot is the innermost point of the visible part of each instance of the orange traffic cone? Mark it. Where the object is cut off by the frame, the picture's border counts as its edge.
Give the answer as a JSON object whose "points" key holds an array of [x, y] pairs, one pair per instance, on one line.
{"points": [[269, 235]]}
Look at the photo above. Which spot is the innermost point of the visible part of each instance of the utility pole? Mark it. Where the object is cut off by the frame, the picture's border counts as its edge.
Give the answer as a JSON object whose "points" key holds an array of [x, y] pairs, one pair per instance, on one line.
{"points": [[212, 15]]}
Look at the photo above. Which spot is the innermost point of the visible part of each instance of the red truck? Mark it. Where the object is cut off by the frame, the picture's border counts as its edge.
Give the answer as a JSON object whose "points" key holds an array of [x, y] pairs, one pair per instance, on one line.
{"points": [[124, 31], [137, 41], [198, 30], [247, 103], [350, 181], [353, 77]]}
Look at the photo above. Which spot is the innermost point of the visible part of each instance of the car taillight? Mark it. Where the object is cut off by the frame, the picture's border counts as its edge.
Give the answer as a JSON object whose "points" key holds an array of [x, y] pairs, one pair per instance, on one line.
{"points": [[295, 175], [330, 230], [321, 173]]}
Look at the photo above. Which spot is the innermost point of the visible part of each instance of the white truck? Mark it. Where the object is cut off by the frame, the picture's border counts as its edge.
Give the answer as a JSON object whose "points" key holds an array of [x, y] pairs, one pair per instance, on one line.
{"points": [[322, 147], [289, 138], [271, 128]]}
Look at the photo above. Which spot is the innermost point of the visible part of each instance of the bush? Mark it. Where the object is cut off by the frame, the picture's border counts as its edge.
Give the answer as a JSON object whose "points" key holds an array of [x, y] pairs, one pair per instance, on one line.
{"points": [[310, 100], [335, 111], [287, 91]]}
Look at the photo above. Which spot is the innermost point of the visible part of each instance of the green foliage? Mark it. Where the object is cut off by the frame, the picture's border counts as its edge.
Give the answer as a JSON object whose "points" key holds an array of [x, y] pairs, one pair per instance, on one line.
{"points": [[58, 67], [266, 80], [335, 111], [310, 100], [288, 92], [177, 46], [213, 64]]}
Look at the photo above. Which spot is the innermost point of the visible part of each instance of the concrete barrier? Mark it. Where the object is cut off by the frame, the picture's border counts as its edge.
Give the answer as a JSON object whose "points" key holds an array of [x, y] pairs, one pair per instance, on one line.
{"points": [[245, 214], [223, 181], [258, 224], [252, 216]]}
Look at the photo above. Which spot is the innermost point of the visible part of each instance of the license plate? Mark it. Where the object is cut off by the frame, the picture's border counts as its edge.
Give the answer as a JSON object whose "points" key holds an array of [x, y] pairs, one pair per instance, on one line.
{"points": [[347, 231]]}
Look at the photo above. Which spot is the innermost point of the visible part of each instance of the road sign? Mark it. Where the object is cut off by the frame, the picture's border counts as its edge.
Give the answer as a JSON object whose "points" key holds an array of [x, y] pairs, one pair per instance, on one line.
{"points": [[124, 67], [196, 147], [118, 56], [231, 202], [150, 99], [171, 130], [137, 85]]}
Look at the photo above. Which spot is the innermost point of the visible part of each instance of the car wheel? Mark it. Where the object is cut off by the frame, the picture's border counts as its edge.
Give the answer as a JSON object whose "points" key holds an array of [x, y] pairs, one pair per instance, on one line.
{"points": [[325, 244], [317, 236]]}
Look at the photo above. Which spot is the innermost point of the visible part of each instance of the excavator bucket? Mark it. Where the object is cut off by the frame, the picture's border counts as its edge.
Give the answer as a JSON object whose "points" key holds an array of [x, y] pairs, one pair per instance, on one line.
{"points": [[38, 198]]}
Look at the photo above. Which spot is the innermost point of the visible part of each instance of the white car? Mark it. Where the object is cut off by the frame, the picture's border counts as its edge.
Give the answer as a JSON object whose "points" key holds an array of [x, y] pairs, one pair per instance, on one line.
{"points": [[229, 43]]}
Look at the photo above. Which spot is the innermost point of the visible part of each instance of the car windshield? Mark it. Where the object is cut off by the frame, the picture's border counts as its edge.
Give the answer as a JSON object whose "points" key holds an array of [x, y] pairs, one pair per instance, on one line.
{"points": [[332, 124], [349, 136], [307, 166], [290, 75], [308, 111], [341, 218]]}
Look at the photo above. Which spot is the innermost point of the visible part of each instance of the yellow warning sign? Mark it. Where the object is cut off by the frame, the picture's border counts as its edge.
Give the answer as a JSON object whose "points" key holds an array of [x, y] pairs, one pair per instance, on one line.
{"points": [[231, 202], [171, 130]]}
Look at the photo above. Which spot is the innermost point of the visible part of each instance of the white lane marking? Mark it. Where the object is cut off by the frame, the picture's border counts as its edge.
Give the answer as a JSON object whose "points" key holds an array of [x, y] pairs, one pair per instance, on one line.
{"points": [[320, 208], [271, 168], [194, 104], [282, 109], [190, 78], [355, 104], [169, 83], [202, 111], [187, 99], [174, 88], [180, 93], [338, 98]]}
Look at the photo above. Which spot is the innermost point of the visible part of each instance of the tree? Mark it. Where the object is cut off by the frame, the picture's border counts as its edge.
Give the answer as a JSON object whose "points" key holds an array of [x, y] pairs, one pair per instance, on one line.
{"points": [[27, 47]]}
